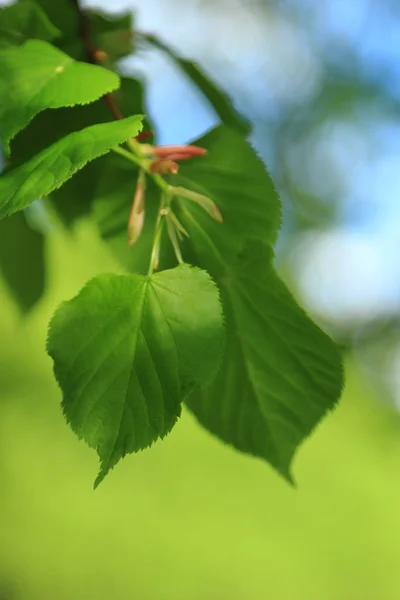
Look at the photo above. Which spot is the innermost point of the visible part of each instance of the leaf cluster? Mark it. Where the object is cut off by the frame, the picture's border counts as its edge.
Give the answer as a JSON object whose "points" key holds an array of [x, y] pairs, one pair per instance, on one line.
{"points": [[200, 317]]}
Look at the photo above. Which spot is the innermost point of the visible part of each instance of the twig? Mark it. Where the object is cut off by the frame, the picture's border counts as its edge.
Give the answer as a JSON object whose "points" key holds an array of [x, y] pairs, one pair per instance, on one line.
{"points": [[91, 52]]}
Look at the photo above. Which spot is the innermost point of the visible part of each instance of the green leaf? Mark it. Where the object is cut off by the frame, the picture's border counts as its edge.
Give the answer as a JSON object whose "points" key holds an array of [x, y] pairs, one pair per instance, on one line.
{"points": [[62, 14], [128, 350], [74, 199], [218, 99], [233, 176], [280, 373], [22, 260], [36, 76], [20, 22], [49, 169]]}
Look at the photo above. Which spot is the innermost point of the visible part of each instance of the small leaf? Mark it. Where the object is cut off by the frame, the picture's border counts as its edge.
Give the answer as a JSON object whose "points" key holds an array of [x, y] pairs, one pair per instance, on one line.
{"points": [[128, 350], [49, 169], [218, 99], [22, 260], [37, 76], [22, 21]]}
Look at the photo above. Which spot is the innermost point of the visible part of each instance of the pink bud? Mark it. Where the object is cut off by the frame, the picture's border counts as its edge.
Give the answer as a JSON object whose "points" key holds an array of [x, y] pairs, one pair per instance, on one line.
{"points": [[183, 151]]}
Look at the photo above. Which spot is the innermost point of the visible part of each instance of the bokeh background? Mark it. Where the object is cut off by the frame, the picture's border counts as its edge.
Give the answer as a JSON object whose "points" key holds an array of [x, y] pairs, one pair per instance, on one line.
{"points": [[192, 519]]}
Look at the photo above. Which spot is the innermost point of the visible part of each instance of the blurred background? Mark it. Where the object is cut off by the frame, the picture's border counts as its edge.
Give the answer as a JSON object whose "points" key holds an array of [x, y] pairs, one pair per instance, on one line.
{"points": [[191, 519]]}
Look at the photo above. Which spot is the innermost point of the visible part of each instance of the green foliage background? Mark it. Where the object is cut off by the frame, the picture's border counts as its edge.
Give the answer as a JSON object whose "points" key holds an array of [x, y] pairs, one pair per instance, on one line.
{"points": [[190, 519]]}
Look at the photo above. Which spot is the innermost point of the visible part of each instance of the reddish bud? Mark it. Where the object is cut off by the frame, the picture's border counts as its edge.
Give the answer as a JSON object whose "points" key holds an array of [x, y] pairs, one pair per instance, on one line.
{"points": [[144, 135], [99, 55], [183, 151], [164, 167]]}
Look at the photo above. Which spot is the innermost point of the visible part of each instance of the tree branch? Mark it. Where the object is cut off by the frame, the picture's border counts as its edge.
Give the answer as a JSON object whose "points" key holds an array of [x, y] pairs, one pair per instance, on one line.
{"points": [[91, 52]]}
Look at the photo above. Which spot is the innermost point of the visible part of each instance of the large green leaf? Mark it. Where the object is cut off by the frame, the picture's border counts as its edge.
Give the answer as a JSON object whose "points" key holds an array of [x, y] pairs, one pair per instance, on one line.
{"points": [[280, 373], [218, 99], [128, 350], [49, 169], [36, 76], [22, 260], [22, 21]]}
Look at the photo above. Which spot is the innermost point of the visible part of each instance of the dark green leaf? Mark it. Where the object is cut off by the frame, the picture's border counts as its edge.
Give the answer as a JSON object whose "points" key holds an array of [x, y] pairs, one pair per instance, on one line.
{"points": [[22, 260], [36, 76], [112, 33], [49, 169], [218, 99], [128, 350], [22, 21], [233, 176], [280, 373], [62, 14]]}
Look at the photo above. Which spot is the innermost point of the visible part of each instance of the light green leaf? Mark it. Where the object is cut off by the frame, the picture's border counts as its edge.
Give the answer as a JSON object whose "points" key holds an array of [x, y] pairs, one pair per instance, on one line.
{"points": [[36, 76], [22, 260], [128, 350], [22, 21], [280, 373], [218, 99], [48, 170]]}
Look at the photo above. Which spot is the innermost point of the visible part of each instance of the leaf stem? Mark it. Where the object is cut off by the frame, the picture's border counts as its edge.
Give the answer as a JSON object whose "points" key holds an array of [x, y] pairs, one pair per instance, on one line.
{"points": [[156, 245], [140, 162]]}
